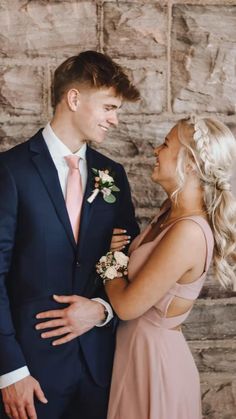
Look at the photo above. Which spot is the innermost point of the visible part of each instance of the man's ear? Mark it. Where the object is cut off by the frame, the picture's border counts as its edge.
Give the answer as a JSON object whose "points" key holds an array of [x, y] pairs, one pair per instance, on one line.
{"points": [[73, 97]]}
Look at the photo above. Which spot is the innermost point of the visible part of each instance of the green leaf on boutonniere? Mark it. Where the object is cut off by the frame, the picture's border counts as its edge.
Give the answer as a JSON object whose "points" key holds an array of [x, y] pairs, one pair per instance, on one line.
{"points": [[114, 188], [110, 199], [95, 171]]}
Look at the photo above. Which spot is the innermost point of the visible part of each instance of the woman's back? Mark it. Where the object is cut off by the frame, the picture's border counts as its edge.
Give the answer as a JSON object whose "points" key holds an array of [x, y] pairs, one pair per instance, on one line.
{"points": [[140, 252]]}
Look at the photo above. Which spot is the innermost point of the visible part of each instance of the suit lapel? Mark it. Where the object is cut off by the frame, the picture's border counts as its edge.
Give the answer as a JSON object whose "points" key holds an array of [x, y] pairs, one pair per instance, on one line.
{"points": [[43, 162]]}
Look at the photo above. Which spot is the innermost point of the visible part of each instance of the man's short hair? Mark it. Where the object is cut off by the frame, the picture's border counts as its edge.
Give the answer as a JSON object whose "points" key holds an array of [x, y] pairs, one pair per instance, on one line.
{"points": [[94, 70]]}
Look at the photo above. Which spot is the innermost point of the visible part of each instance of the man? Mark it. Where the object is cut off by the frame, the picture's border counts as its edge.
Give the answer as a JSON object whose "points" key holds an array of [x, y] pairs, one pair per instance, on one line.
{"points": [[51, 237]]}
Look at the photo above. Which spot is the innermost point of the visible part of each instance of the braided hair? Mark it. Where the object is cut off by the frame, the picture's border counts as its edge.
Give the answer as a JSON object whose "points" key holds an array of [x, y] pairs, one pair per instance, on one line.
{"points": [[210, 148]]}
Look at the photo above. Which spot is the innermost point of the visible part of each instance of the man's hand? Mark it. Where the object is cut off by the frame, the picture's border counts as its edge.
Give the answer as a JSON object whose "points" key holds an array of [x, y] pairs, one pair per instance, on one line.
{"points": [[18, 398], [81, 315], [119, 239]]}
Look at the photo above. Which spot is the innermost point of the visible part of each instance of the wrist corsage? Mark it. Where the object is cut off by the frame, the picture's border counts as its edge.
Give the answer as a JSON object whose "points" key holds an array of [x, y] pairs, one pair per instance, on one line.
{"points": [[112, 265]]}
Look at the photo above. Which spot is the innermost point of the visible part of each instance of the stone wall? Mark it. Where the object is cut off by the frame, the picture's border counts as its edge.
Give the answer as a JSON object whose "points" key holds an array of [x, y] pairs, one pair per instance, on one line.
{"points": [[182, 55]]}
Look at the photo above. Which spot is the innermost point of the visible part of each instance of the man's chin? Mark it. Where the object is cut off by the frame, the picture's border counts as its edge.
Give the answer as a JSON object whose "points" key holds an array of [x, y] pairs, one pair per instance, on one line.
{"points": [[98, 140]]}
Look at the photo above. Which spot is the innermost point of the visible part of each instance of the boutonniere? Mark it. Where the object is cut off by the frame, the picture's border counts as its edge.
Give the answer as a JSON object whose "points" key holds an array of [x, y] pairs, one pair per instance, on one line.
{"points": [[105, 184]]}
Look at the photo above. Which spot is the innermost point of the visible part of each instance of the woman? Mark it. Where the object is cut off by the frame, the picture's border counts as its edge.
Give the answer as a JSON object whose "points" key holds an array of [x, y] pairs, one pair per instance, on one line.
{"points": [[154, 375]]}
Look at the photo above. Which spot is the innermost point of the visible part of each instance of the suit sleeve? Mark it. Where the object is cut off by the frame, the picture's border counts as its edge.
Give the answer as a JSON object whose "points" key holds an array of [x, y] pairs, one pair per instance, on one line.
{"points": [[125, 218], [11, 356], [126, 215]]}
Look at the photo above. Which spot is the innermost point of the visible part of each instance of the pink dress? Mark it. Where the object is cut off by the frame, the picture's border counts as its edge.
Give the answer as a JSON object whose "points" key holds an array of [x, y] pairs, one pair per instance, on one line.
{"points": [[154, 373]]}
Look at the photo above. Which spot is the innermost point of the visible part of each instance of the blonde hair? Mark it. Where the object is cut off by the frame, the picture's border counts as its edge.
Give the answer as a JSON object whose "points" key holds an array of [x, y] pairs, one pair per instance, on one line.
{"points": [[210, 147]]}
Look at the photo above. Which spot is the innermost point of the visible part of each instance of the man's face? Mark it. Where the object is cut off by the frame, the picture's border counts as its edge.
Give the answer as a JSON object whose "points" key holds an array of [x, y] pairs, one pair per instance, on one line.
{"points": [[96, 113]]}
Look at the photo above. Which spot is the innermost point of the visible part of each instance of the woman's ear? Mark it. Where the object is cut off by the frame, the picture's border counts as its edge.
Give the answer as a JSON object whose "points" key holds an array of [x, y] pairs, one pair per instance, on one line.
{"points": [[189, 168], [190, 165], [73, 99]]}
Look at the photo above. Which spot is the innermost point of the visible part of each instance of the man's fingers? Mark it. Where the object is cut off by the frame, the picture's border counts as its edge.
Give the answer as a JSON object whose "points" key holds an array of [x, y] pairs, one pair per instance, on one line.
{"points": [[65, 339], [50, 314], [14, 413], [58, 313], [40, 394], [7, 409], [31, 411], [22, 413], [65, 298], [51, 323], [56, 332], [18, 398]]}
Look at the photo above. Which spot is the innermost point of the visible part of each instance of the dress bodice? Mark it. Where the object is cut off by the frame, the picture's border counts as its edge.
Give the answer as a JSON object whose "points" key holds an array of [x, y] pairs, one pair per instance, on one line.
{"points": [[139, 253]]}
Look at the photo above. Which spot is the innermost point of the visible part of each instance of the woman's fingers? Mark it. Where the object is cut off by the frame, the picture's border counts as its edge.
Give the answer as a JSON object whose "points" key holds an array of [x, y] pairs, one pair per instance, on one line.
{"points": [[118, 231], [119, 239]]}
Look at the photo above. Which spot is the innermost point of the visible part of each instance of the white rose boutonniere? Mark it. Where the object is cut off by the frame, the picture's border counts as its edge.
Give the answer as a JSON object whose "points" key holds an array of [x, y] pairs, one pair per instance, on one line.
{"points": [[112, 265], [104, 183], [105, 177]]}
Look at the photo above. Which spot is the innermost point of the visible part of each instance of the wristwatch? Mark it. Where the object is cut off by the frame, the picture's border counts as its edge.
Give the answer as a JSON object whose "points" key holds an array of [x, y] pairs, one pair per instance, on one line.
{"points": [[107, 311]]}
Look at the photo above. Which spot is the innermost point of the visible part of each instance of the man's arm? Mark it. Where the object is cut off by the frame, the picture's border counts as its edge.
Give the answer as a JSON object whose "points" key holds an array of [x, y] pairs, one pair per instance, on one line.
{"points": [[11, 356], [18, 394], [126, 227], [125, 219]]}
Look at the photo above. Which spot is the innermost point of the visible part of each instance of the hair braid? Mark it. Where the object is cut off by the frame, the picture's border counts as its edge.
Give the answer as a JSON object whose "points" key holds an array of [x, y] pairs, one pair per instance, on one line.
{"points": [[212, 148]]}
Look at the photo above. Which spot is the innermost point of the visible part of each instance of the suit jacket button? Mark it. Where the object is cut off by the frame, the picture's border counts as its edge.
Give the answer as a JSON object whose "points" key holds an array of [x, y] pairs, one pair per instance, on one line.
{"points": [[78, 264]]}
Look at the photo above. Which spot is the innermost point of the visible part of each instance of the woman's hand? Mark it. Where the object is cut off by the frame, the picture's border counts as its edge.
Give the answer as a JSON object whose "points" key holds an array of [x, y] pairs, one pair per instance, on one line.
{"points": [[119, 239]]}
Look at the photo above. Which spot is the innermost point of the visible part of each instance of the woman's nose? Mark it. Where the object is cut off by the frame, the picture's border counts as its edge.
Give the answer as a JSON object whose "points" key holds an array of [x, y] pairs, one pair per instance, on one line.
{"points": [[155, 151]]}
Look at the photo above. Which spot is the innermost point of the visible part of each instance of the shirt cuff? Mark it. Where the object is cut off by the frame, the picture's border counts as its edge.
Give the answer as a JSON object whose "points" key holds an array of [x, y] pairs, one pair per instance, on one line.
{"points": [[108, 309], [13, 376]]}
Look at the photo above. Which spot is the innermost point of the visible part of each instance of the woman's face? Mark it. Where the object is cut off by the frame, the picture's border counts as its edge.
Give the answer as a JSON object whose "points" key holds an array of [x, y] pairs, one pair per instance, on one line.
{"points": [[164, 171]]}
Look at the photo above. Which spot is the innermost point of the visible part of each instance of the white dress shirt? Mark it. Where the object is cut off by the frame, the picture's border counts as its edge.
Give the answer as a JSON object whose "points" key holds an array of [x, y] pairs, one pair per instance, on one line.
{"points": [[58, 151]]}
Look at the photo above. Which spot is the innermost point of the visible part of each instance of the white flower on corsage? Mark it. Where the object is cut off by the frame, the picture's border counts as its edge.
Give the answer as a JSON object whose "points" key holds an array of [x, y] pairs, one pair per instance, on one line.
{"points": [[105, 184], [121, 258], [112, 265], [110, 272]]}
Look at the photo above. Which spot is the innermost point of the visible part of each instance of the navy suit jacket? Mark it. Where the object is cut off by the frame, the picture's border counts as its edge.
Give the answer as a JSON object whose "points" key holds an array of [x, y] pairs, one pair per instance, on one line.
{"points": [[39, 257]]}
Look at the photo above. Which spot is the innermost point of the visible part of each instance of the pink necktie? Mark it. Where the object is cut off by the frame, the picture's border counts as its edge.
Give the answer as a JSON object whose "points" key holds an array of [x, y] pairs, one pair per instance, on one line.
{"points": [[74, 193]]}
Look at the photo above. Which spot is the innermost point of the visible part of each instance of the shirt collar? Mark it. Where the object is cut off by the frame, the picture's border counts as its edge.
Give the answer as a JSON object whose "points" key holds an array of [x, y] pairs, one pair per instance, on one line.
{"points": [[58, 149]]}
